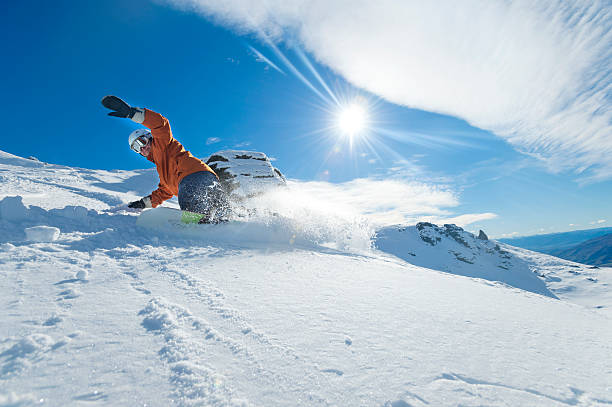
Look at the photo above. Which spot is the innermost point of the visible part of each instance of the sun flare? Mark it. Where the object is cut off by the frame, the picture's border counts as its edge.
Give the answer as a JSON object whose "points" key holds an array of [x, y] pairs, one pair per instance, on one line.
{"points": [[352, 120]]}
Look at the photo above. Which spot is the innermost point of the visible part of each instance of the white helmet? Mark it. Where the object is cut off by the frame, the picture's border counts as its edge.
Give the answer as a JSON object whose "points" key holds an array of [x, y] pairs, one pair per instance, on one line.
{"points": [[139, 138]]}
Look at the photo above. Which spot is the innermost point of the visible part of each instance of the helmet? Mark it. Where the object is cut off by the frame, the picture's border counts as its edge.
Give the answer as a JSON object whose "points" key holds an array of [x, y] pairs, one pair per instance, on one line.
{"points": [[139, 138]]}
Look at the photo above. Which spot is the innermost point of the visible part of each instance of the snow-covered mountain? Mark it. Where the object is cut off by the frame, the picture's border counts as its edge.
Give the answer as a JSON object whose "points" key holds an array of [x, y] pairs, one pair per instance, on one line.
{"points": [[453, 250], [279, 309]]}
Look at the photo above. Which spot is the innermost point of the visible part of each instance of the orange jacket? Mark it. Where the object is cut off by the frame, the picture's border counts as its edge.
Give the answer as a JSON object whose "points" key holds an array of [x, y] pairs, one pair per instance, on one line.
{"points": [[173, 162]]}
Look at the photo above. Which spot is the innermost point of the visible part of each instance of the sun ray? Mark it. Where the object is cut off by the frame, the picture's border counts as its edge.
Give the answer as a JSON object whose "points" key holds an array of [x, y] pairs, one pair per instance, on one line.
{"points": [[425, 140], [294, 70], [316, 74], [261, 57]]}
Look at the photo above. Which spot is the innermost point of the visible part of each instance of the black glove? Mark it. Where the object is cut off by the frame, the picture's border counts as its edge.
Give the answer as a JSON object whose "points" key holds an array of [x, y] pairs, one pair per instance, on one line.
{"points": [[121, 109], [141, 203]]}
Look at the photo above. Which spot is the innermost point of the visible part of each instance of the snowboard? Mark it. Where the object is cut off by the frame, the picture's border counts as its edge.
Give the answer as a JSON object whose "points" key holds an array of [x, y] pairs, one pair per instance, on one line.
{"points": [[261, 232], [161, 217]]}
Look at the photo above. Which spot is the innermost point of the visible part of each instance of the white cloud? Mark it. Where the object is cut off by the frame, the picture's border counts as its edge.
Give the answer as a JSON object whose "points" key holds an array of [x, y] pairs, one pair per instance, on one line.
{"points": [[467, 219], [535, 73], [598, 222], [212, 140]]}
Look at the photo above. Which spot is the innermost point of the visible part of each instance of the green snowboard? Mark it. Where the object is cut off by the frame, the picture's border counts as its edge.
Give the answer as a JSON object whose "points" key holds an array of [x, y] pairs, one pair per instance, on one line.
{"points": [[191, 217]]}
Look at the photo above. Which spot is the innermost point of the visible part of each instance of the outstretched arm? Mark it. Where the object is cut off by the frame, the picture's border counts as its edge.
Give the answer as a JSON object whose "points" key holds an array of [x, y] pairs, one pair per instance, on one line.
{"points": [[159, 125]]}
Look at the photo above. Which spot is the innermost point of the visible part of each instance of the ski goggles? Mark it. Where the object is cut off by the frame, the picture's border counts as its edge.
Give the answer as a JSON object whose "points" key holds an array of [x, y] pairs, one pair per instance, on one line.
{"points": [[139, 143]]}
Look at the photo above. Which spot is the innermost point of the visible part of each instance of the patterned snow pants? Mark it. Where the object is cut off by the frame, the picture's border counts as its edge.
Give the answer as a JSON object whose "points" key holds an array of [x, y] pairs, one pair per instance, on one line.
{"points": [[201, 192]]}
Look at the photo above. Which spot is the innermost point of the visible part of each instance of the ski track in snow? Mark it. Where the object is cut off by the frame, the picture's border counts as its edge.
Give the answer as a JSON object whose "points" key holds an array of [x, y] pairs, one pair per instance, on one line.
{"points": [[247, 348], [114, 314]]}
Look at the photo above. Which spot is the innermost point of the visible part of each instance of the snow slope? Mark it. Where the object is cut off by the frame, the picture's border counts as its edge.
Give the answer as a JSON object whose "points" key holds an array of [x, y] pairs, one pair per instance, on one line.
{"points": [[571, 281], [286, 310]]}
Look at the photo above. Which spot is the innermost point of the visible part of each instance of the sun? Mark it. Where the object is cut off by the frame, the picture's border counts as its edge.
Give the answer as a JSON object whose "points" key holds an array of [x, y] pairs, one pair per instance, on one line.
{"points": [[352, 120]]}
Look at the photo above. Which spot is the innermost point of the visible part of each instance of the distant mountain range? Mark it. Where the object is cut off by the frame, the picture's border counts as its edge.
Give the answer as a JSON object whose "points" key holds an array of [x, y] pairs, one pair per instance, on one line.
{"points": [[597, 251], [591, 246]]}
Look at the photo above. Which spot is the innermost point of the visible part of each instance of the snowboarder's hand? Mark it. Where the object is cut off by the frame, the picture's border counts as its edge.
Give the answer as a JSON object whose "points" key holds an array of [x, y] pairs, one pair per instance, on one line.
{"points": [[119, 107], [141, 203]]}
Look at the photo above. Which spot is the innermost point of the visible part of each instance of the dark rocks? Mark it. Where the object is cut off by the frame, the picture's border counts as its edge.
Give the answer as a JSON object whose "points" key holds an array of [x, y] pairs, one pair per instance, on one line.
{"points": [[456, 232], [422, 225], [431, 241], [248, 157], [216, 157], [461, 257]]}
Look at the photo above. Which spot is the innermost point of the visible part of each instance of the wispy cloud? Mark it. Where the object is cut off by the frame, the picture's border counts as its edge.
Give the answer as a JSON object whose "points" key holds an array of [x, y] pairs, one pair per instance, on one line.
{"points": [[467, 218], [411, 169], [535, 73], [212, 140]]}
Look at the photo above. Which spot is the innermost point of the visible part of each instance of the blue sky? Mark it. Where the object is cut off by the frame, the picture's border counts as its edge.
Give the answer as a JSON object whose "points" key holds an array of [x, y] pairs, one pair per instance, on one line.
{"points": [[536, 164]]}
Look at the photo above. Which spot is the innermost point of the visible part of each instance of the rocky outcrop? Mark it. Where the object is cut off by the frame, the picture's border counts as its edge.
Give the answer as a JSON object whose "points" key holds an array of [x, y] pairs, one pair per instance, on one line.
{"points": [[245, 174], [451, 249]]}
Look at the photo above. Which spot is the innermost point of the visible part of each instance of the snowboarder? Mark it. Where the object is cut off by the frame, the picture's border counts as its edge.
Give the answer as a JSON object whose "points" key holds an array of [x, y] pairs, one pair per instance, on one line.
{"points": [[180, 173]]}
